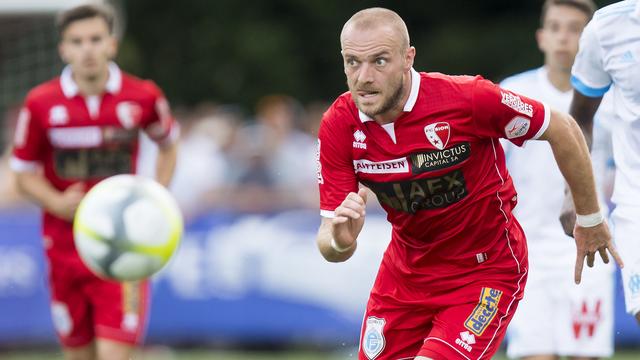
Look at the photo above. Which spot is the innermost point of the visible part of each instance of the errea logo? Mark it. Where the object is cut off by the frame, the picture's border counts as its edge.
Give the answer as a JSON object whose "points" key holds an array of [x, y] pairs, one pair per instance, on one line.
{"points": [[359, 137], [465, 340]]}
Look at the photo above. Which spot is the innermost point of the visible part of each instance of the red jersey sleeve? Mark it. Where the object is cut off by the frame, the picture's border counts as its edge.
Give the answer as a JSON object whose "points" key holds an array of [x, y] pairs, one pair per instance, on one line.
{"points": [[500, 113], [29, 139], [160, 124], [336, 177]]}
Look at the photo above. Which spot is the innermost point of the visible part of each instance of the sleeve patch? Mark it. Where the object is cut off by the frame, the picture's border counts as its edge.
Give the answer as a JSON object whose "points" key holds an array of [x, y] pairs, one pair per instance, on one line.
{"points": [[517, 127]]}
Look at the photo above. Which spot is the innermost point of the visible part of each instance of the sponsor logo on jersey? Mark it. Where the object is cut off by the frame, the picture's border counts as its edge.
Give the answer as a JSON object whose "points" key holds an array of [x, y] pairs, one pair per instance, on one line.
{"points": [[359, 137], [586, 319], [373, 341], [517, 127], [58, 115], [418, 194], [513, 101], [319, 165], [439, 159], [396, 166], [129, 114], [466, 340], [484, 312], [438, 134], [75, 137]]}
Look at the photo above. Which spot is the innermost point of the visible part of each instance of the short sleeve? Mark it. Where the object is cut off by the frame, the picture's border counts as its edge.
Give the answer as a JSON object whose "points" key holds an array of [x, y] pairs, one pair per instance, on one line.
{"points": [[588, 75], [336, 177], [500, 113], [28, 140], [160, 125]]}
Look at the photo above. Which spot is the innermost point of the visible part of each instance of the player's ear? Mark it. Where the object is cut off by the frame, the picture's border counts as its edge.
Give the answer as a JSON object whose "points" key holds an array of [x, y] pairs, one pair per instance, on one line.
{"points": [[62, 52], [410, 57], [540, 39], [113, 47]]}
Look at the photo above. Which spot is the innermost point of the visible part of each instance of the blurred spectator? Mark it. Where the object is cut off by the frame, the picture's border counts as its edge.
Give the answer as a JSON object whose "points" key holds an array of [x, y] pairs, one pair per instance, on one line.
{"points": [[274, 158]]}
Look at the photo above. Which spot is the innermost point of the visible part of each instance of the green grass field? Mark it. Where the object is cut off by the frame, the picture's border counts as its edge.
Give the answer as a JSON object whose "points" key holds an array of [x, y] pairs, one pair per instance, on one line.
{"points": [[165, 354]]}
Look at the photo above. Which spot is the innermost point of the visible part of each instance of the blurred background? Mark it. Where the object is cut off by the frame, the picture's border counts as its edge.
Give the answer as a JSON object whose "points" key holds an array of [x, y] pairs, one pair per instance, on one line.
{"points": [[248, 81]]}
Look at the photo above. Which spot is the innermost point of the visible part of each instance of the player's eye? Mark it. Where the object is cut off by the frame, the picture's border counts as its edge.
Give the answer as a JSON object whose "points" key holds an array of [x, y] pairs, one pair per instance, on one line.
{"points": [[351, 62], [381, 61], [96, 39]]}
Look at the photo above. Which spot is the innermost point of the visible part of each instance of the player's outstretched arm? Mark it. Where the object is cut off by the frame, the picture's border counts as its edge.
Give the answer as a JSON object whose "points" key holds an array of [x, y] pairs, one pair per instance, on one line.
{"points": [[583, 108], [572, 155], [166, 162], [337, 237], [39, 190]]}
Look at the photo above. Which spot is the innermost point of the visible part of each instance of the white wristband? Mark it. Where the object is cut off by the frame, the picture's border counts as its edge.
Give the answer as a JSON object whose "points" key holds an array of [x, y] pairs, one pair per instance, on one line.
{"points": [[340, 249], [590, 220]]}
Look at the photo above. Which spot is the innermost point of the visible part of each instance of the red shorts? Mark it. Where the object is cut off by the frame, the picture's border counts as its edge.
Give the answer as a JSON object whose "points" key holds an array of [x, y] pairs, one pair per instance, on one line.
{"points": [[84, 306], [464, 323]]}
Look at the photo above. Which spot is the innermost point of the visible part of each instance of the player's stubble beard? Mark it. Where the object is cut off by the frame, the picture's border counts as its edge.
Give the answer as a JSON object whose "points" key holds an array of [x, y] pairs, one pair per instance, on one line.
{"points": [[388, 103]]}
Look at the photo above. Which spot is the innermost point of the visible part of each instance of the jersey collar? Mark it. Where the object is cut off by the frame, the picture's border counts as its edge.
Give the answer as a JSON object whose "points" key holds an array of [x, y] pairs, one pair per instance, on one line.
{"points": [[70, 88], [411, 101]]}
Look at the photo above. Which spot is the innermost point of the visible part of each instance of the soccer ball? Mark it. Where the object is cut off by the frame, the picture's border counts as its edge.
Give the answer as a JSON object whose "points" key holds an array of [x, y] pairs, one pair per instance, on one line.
{"points": [[127, 227]]}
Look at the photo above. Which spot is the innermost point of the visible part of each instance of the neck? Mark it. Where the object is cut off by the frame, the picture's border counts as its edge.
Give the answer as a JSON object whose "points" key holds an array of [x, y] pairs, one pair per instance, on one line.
{"points": [[559, 78], [394, 113], [93, 85]]}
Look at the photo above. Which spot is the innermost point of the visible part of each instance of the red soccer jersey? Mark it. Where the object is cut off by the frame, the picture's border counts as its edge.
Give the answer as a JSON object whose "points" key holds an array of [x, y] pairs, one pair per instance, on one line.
{"points": [[86, 139], [439, 172]]}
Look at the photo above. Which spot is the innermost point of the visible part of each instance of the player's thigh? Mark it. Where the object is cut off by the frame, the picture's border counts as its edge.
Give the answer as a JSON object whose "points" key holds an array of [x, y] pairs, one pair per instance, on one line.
{"points": [[120, 310], [472, 327], [391, 333], [113, 350], [87, 352], [71, 310], [531, 331], [626, 226]]}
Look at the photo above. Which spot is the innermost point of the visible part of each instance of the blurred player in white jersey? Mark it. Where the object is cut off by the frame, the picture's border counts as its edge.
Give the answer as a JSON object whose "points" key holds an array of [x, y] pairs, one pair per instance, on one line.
{"points": [[556, 317], [610, 55]]}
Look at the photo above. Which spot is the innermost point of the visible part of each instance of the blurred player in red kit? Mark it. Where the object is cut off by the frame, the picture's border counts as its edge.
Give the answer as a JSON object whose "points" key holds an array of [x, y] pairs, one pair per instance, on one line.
{"points": [[427, 145], [72, 132]]}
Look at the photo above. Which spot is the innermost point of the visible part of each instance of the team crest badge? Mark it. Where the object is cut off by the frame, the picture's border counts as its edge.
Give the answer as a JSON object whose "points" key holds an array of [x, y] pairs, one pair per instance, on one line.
{"points": [[438, 134], [58, 115], [129, 114], [373, 340]]}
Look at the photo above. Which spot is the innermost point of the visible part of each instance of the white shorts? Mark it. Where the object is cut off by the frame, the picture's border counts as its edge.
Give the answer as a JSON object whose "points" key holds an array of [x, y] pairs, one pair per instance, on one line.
{"points": [[556, 316], [625, 222]]}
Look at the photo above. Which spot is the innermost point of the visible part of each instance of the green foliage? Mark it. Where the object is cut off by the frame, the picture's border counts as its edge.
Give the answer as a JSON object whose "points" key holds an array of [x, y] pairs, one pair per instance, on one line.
{"points": [[236, 51]]}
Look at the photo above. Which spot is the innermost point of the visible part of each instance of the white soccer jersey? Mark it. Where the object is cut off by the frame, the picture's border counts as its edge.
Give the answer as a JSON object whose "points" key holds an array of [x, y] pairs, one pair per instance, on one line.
{"points": [[538, 181], [577, 319], [610, 54]]}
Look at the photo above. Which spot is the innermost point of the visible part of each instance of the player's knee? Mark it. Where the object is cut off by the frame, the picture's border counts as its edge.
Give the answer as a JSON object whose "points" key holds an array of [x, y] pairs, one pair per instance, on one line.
{"points": [[638, 317]]}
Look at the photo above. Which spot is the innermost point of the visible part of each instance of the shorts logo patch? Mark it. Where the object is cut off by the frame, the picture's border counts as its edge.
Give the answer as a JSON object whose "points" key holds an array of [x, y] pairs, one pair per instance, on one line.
{"points": [[373, 340], [466, 340], [484, 312], [61, 318], [634, 284]]}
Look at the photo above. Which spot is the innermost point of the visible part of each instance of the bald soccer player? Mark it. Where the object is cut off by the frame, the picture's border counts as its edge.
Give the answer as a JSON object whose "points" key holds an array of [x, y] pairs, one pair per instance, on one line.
{"points": [[427, 145]]}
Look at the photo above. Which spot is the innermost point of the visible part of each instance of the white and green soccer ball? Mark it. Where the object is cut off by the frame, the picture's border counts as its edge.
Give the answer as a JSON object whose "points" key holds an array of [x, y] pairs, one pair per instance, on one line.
{"points": [[127, 227]]}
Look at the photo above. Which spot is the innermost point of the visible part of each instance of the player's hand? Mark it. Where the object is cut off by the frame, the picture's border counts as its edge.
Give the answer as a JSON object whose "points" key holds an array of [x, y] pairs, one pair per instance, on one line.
{"points": [[590, 240], [349, 219], [568, 213], [67, 203]]}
